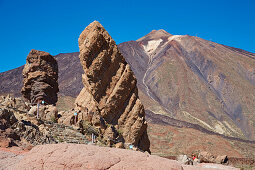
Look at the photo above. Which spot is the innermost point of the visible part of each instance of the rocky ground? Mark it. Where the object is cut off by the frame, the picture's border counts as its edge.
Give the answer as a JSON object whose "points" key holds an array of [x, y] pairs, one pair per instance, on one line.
{"points": [[170, 141], [16, 142], [20, 128], [74, 156], [170, 138]]}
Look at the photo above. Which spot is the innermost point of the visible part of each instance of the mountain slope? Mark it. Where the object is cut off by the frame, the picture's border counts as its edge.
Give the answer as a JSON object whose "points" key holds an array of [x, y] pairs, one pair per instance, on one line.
{"points": [[180, 76], [197, 81]]}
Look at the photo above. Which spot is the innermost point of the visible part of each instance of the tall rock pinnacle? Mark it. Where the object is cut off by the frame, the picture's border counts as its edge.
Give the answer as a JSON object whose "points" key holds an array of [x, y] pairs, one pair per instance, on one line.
{"points": [[40, 78], [110, 89]]}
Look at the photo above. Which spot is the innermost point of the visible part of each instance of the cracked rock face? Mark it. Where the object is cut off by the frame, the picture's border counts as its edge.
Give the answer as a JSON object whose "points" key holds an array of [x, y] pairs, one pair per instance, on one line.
{"points": [[73, 156], [40, 78], [91, 157], [110, 89]]}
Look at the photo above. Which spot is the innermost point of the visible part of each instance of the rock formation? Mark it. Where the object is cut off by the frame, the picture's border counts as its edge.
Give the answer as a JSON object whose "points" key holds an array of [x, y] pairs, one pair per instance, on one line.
{"points": [[14, 132], [19, 127], [209, 158], [46, 112], [73, 156], [40, 78], [110, 94]]}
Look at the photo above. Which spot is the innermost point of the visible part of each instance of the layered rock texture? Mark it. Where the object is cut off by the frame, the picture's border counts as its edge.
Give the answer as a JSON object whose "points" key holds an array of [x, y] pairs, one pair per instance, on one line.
{"points": [[72, 156], [110, 94], [40, 78]]}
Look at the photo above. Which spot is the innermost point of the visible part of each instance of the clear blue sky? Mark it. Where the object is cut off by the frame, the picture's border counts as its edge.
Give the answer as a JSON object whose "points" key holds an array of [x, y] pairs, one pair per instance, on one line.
{"points": [[55, 25]]}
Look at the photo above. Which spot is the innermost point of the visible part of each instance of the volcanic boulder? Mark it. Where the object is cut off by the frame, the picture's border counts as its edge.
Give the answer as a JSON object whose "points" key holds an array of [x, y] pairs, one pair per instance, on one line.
{"points": [[79, 157], [110, 93], [40, 78]]}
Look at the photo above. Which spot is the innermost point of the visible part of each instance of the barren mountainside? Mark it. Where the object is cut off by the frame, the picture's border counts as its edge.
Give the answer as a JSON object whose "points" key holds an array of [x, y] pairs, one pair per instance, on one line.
{"points": [[180, 76], [197, 81]]}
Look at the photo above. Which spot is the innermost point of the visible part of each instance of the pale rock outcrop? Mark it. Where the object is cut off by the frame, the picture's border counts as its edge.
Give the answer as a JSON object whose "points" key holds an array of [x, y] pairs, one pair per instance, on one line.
{"points": [[209, 158], [40, 78], [79, 156], [185, 160], [221, 159], [8, 158], [46, 112], [208, 166], [110, 94], [12, 102], [206, 157], [91, 157]]}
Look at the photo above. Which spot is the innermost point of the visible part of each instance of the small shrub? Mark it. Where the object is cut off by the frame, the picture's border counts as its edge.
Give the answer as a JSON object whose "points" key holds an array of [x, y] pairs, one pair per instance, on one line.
{"points": [[53, 119]]}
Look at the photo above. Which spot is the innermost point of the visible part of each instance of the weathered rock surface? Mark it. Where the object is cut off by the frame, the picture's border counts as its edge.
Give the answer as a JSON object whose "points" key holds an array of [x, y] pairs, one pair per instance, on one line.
{"points": [[206, 157], [209, 158], [73, 156], [16, 127], [11, 102], [7, 135], [209, 166], [184, 159], [46, 112], [40, 78], [19, 133], [9, 159], [110, 90], [20, 127]]}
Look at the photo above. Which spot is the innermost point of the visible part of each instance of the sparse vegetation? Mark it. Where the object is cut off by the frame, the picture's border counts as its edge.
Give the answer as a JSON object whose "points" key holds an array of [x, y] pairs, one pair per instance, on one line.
{"points": [[245, 167], [53, 119], [87, 128]]}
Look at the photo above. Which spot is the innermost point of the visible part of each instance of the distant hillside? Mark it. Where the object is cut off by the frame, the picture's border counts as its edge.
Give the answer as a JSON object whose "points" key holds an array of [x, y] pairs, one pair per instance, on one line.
{"points": [[195, 80], [11, 81]]}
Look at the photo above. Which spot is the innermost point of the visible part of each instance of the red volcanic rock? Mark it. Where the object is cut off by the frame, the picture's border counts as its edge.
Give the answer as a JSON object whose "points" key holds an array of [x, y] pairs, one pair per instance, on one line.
{"points": [[9, 159], [7, 134], [208, 166], [40, 78], [78, 156]]}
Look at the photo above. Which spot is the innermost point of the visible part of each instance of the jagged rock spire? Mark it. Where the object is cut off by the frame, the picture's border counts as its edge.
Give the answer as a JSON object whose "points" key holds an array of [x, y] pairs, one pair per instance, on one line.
{"points": [[110, 89]]}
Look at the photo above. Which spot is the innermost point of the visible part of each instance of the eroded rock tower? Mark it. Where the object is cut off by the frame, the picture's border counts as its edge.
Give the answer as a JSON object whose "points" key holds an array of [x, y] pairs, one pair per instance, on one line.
{"points": [[40, 78], [110, 93]]}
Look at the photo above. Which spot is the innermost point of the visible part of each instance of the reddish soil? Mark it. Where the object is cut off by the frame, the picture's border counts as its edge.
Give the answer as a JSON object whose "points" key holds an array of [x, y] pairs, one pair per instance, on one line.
{"points": [[172, 141]]}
